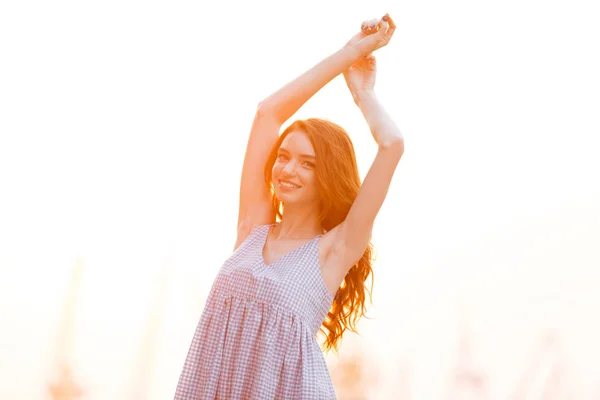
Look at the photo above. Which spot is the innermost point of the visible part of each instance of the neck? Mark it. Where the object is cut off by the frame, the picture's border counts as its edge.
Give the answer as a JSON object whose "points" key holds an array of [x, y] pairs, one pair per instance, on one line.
{"points": [[298, 223]]}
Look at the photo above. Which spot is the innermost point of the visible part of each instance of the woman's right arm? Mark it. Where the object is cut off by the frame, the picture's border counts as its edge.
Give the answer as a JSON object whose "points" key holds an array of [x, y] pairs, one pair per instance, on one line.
{"points": [[255, 206]]}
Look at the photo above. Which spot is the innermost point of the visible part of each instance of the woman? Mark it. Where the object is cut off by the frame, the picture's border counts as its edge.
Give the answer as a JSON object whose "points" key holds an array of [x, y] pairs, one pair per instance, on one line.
{"points": [[256, 338]]}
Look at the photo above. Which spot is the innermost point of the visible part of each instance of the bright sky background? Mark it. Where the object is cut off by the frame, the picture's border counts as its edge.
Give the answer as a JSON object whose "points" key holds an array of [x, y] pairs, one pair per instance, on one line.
{"points": [[122, 131]]}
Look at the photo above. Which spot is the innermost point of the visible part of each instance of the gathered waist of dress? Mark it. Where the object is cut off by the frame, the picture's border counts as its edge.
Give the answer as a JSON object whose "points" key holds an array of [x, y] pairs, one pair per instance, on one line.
{"points": [[311, 320]]}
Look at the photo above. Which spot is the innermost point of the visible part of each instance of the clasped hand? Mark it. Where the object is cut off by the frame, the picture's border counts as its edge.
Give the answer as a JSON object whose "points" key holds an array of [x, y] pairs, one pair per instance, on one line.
{"points": [[374, 34]]}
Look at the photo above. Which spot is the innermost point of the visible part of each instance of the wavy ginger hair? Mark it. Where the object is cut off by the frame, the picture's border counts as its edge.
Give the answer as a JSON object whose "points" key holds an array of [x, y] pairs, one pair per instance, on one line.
{"points": [[338, 184]]}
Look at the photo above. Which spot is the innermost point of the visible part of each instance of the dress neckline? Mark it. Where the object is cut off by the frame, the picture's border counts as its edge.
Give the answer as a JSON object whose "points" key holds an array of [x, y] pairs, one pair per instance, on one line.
{"points": [[264, 243]]}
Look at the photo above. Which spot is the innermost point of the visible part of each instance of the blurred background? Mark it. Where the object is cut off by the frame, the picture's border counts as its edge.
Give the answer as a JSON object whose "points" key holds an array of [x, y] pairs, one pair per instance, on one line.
{"points": [[122, 133]]}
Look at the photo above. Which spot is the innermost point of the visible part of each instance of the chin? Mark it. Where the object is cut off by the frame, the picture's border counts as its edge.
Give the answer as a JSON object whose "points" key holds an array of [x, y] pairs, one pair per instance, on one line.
{"points": [[286, 196]]}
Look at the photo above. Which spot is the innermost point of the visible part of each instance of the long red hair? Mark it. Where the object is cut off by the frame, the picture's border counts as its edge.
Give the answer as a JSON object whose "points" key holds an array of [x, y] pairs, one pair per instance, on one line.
{"points": [[338, 184]]}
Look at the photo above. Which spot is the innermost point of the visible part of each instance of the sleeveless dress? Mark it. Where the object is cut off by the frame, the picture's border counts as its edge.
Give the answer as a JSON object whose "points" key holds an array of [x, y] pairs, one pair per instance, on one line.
{"points": [[256, 338]]}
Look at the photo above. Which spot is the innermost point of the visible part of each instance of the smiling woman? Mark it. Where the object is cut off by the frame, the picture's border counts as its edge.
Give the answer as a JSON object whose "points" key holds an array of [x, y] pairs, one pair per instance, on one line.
{"points": [[303, 250], [293, 168]]}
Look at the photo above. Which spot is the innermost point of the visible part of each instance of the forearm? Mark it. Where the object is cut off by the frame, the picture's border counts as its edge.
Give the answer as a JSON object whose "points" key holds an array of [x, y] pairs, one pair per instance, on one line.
{"points": [[383, 128], [286, 101]]}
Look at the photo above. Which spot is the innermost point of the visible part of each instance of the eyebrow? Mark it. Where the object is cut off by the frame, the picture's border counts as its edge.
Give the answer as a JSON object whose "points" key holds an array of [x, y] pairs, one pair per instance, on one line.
{"points": [[301, 155]]}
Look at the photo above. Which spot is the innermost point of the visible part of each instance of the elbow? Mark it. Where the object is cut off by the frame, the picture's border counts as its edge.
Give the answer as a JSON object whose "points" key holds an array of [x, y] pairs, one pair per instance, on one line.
{"points": [[266, 110], [394, 145], [262, 109]]}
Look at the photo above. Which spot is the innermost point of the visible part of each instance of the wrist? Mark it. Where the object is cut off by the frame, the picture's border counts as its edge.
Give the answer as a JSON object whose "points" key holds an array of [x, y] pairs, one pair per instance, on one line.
{"points": [[362, 96], [353, 51]]}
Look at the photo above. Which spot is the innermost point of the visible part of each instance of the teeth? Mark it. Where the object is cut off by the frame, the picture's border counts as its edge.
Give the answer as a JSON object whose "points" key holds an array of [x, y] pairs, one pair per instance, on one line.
{"points": [[289, 185]]}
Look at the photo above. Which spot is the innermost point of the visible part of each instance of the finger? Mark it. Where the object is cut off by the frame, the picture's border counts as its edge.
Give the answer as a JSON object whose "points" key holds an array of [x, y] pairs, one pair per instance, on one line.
{"points": [[383, 27], [370, 59], [374, 23], [370, 26], [391, 24]]}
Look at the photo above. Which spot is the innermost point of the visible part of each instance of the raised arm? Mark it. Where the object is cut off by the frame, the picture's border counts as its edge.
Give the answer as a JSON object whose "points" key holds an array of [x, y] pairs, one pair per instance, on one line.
{"points": [[351, 237], [255, 202]]}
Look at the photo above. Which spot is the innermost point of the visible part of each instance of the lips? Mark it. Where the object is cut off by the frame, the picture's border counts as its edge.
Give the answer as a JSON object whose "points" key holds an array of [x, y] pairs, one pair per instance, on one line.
{"points": [[288, 185]]}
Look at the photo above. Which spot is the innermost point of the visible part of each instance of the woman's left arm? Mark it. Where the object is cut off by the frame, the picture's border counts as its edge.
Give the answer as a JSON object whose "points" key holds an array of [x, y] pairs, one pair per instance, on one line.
{"points": [[355, 231], [352, 236]]}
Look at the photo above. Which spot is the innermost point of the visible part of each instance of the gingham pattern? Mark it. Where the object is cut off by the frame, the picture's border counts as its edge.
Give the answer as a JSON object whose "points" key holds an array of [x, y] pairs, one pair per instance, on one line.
{"points": [[256, 338]]}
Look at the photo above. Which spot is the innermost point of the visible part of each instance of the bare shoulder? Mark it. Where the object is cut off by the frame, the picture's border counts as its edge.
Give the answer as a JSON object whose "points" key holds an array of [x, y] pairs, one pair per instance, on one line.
{"points": [[327, 243], [333, 268], [337, 254], [246, 226]]}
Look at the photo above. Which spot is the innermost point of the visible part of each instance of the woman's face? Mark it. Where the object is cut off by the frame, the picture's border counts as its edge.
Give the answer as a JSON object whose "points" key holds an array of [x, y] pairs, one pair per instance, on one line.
{"points": [[294, 177]]}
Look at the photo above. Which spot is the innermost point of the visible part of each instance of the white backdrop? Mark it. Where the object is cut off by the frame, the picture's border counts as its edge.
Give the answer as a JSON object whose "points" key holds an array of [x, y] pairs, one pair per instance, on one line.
{"points": [[122, 132]]}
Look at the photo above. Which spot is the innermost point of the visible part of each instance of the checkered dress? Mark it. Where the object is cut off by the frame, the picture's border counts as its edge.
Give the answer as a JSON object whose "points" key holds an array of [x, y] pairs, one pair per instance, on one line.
{"points": [[256, 338]]}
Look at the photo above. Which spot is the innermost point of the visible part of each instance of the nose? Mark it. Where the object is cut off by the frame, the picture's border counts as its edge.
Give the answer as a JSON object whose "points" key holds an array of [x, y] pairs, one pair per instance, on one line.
{"points": [[289, 169]]}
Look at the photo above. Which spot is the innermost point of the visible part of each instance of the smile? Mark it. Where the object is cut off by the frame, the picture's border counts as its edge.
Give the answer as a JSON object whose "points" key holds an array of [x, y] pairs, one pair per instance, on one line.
{"points": [[288, 185]]}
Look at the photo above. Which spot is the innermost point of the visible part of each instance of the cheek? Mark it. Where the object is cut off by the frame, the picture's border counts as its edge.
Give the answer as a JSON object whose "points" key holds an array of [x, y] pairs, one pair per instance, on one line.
{"points": [[275, 170], [310, 179]]}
